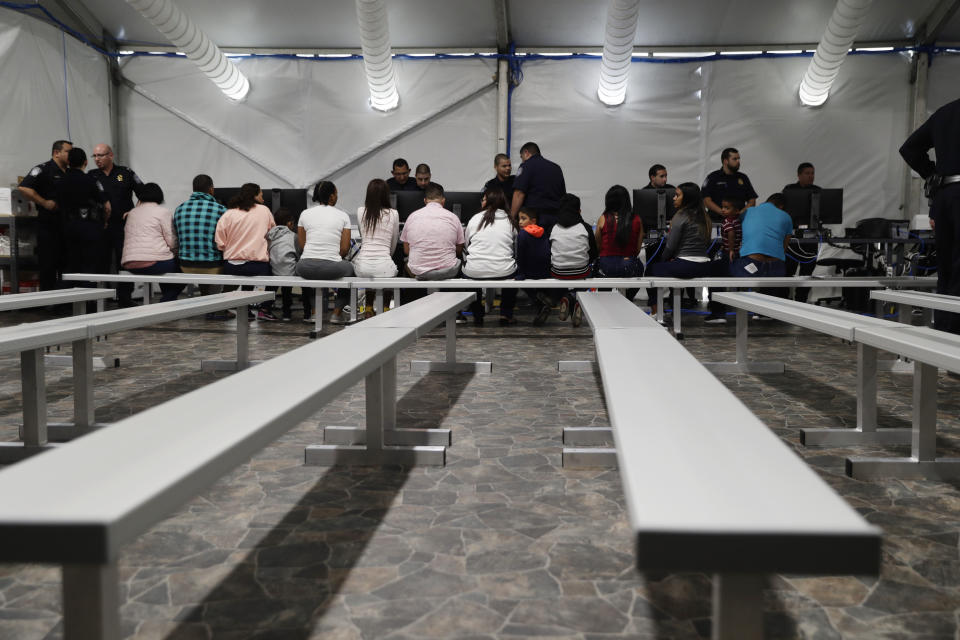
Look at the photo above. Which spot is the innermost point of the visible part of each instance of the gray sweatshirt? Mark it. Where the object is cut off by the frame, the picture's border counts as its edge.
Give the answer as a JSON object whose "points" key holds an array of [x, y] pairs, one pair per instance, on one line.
{"points": [[282, 244]]}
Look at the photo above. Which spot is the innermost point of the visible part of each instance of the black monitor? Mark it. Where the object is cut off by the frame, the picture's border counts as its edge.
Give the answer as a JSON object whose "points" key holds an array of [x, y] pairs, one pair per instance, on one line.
{"points": [[814, 207], [464, 204], [293, 199], [224, 195], [406, 202], [647, 205]]}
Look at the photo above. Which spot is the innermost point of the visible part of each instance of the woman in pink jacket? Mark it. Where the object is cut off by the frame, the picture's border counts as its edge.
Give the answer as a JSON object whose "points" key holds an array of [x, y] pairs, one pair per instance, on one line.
{"points": [[149, 242], [242, 236]]}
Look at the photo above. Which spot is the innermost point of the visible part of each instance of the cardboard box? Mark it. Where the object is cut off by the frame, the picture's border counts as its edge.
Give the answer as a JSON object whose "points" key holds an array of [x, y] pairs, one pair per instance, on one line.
{"points": [[6, 201]]}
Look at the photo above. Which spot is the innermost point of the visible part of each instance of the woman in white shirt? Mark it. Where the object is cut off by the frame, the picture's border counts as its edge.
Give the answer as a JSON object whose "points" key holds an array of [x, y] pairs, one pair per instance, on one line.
{"points": [[323, 233], [491, 238], [379, 232]]}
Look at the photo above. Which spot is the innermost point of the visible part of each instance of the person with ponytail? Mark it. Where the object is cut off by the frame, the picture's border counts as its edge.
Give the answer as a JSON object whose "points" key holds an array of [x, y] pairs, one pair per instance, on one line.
{"points": [[619, 238], [242, 237], [685, 251], [324, 235], [379, 233], [573, 248], [490, 241]]}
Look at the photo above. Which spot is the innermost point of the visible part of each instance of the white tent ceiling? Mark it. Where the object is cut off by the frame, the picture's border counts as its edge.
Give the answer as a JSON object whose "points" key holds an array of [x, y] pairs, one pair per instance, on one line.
{"points": [[472, 24]]}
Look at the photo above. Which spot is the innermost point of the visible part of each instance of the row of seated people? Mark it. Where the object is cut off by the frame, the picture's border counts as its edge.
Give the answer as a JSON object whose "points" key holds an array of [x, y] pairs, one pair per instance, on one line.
{"points": [[201, 236]]}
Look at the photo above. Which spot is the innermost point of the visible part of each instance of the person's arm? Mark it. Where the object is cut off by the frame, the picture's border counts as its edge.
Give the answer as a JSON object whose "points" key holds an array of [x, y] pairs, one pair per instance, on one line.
{"points": [[712, 206], [406, 248], [35, 198], [731, 241], [460, 250], [786, 241], [301, 237], [640, 237], [345, 242], [518, 198], [597, 232], [915, 151], [673, 238], [169, 235], [395, 233], [592, 250]]}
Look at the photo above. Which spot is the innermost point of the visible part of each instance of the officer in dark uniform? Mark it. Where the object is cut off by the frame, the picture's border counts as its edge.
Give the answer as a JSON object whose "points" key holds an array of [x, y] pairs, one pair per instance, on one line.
{"points": [[727, 181], [942, 134], [401, 177], [121, 184], [40, 186], [797, 258], [85, 207], [503, 179], [539, 185]]}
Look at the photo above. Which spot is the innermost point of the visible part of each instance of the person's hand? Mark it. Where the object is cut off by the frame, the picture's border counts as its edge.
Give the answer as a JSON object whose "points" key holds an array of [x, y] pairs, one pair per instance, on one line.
{"points": [[49, 205], [933, 223]]}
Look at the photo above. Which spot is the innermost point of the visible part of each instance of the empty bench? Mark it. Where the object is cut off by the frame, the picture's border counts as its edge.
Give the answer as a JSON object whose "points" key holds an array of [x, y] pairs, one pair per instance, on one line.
{"points": [[925, 300], [124, 479], [30, 340], [708, 486]]}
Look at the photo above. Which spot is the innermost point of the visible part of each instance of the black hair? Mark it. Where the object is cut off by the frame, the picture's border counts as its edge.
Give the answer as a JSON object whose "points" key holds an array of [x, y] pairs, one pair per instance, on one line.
{"points": [[692, 206], [150, 192], [283, 216], [246, 198], [531, 148], [654, 169], [497, 158], [726, 153], [569, 212], [202, 183], [400, 162], [802, 166], [777, 200], [736, 202], [496, 200], [433, 192], [323, 191], [58, 146], [76, 157], [617, 211], [423, 167], [376, 202]]}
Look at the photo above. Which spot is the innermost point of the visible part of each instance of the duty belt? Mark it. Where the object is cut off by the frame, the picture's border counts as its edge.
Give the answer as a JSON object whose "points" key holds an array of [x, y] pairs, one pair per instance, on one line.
{"points": [[950, 179]]}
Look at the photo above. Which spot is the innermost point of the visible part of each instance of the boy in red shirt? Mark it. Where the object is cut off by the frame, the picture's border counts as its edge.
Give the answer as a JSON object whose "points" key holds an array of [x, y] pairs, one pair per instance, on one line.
{"points": [[732, 207]]}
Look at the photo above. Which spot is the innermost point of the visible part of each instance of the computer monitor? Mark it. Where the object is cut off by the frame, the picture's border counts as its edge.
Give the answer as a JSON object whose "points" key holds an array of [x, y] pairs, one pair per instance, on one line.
{"points": [[293, 199], [464, 204], [814, 208], [224, 195], [654, 206], [406, 202]]}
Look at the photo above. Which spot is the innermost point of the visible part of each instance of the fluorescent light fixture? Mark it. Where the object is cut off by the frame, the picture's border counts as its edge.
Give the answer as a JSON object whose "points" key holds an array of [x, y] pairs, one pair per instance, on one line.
{"points": [[874, 49], [786, 51], [682, 54], [740, 53], [304, 55]]}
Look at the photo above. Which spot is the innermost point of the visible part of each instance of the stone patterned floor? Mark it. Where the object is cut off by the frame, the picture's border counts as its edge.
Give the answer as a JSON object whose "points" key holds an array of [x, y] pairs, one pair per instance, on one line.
{"points": [[502, 542]]}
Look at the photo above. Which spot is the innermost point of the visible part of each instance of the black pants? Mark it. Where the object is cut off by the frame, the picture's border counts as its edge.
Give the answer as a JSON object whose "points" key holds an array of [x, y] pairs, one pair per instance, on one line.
{"points": [[306, 297], [84, 240], [946, 214], [50, 249], [112, 249]]}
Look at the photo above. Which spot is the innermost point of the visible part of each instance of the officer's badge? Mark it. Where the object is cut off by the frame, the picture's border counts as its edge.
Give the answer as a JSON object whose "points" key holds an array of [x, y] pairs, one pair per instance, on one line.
{"points": [[120, 177], [740, 181], [35, 172]]}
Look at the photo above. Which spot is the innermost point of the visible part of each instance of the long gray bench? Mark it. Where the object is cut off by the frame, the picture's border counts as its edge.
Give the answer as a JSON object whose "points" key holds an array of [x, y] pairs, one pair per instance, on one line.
{"points": [[420, 316], [930, 350], [925, 300], [832, 322], [30, 340], [162, 457], [710, 488]]}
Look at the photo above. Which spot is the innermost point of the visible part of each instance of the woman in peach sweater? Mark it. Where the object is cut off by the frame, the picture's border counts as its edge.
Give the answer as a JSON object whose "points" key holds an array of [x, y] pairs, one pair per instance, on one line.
{"points": [[242, 236]]}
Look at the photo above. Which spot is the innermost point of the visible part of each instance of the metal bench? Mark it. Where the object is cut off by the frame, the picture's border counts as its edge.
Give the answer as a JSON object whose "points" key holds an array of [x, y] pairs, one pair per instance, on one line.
{"points": [[30, 340], [78, 505], [930, 350], [420, 316], [925, 300], [704, 482], [832, 322]]}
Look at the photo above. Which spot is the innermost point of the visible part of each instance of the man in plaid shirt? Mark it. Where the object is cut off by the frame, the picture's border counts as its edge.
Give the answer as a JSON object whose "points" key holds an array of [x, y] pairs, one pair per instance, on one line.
{"points": [[195, 222]]}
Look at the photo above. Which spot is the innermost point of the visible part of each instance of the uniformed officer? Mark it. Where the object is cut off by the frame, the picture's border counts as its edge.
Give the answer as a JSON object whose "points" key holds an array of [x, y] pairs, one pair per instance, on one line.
{"points": [[121, 184], [40, 186], [941, 132], [503, 179], [727, 180], [539, 185], [797, 258], [85, 208]]}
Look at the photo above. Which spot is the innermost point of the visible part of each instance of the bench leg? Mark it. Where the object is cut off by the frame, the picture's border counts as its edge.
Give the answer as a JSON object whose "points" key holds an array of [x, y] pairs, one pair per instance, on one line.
{"points": [[923, 462], [660, 297], [91, 603], [737, 607], [378, 302], [743, 363], [585, 436], [381, 397], [353, 305], [34, 386], [677, 313], [451, 365], [243, 347]]}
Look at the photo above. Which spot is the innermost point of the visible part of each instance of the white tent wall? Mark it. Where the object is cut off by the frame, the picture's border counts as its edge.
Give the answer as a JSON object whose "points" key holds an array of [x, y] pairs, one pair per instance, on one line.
{"points": [[942, 84], [683, 114], [304, 119], [34, 102]]}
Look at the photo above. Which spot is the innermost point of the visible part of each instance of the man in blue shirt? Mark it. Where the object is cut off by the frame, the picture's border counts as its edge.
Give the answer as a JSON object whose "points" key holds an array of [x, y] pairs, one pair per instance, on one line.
{"points": [[766, 231]]}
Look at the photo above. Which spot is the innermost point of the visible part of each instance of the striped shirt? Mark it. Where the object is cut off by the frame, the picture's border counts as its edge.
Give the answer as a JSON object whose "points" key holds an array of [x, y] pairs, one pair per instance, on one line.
{"points": [[195, 222]]}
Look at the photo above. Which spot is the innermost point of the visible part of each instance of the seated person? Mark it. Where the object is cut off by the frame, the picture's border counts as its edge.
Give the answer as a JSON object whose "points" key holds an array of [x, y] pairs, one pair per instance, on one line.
{"points": [[423, 175], [766, 232], [401, 177], [533, 260], [491, 237], [433, 239]]}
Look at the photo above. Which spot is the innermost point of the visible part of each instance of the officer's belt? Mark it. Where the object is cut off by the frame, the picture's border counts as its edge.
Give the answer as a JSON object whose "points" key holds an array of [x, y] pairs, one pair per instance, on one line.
{"points": [[950, 179]]}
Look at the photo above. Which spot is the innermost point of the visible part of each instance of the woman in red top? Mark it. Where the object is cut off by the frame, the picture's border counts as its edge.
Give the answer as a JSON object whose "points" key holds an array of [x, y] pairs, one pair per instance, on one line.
{"points": [[620, 237]]}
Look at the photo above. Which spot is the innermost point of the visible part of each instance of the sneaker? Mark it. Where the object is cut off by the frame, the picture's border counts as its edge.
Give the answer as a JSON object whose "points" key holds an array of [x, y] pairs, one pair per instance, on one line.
{"points": [[251, 314], [713, 319], [308, 319], [287, 317], [564, 309], [266, 314], [544, 299], [460, 319], [577, 315], [220, 315], [542, 315], [338, 318]]}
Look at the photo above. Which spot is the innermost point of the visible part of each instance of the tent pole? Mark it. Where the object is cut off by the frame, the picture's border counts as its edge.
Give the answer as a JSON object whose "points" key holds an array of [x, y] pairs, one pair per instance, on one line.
{"points": [[503, 90], [912, 187]]}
